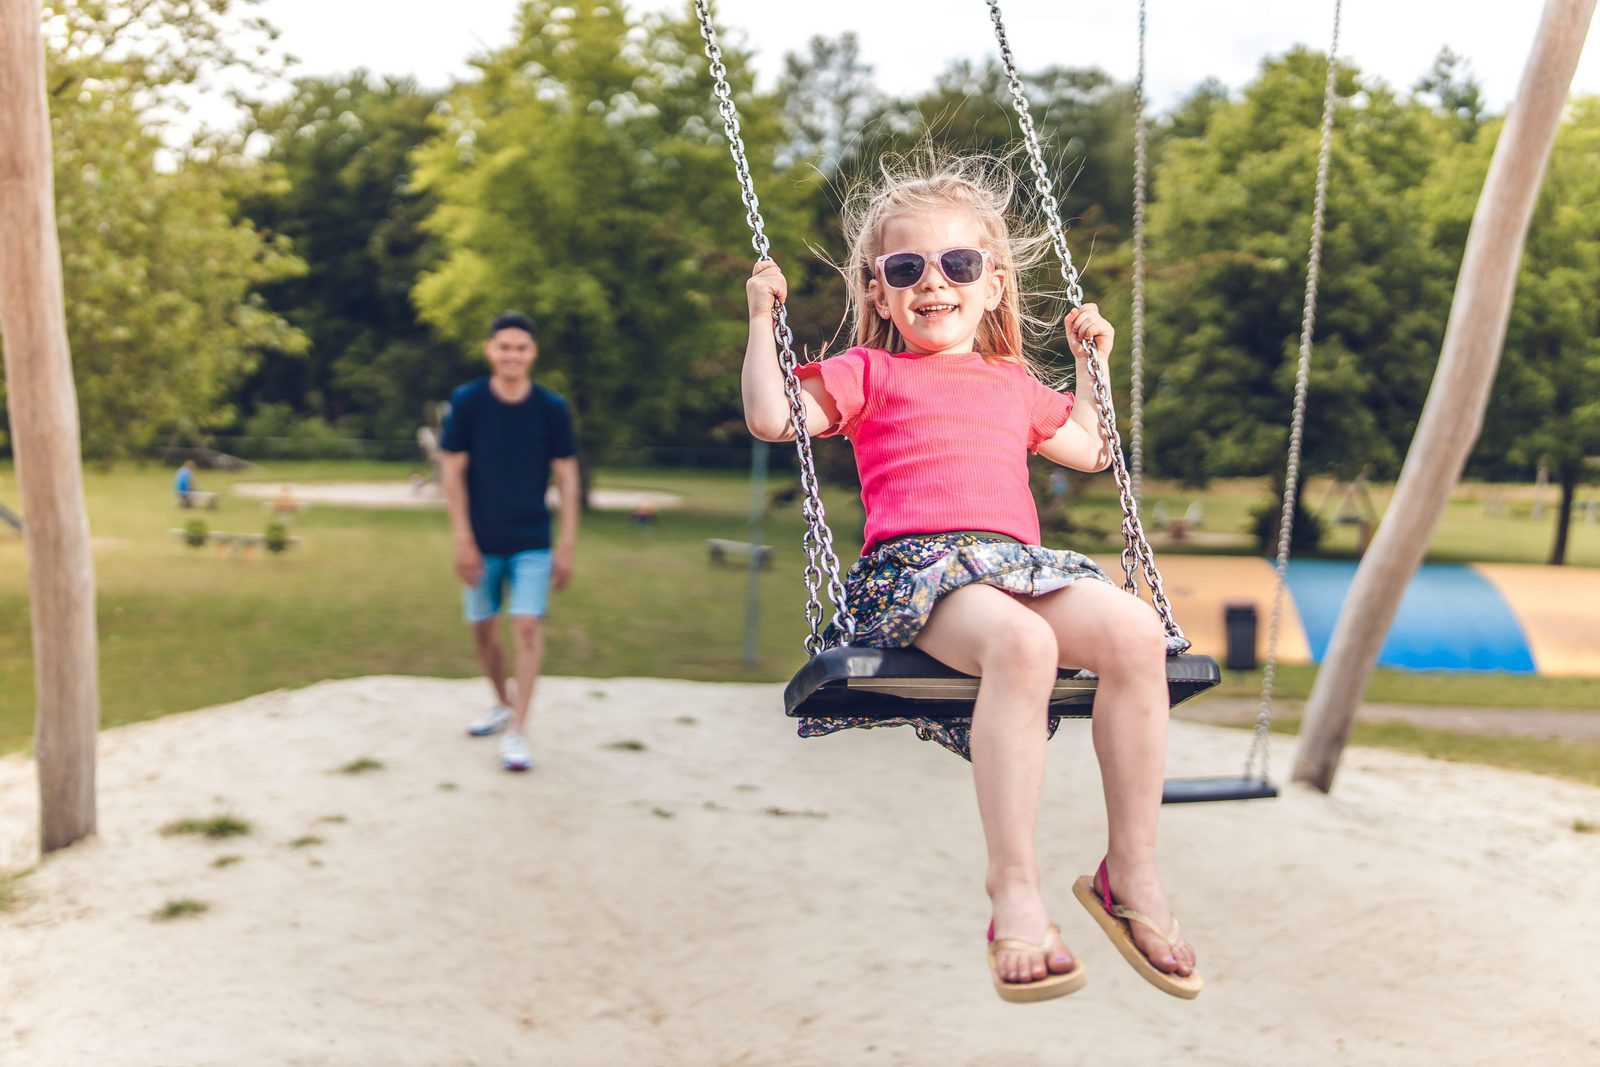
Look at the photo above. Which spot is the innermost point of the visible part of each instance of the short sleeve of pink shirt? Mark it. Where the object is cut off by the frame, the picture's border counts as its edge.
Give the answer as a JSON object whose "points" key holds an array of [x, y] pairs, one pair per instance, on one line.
{"points": [[1048, 412], [845, 377]]}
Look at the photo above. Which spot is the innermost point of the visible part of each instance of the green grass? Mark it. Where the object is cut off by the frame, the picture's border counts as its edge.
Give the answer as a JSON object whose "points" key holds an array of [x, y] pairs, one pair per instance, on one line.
{"points": [[1573, 759], [1467, 532], [1293, 681], [371, 591], [217, 828], [361, 766], [11, 889], [182, 907], [226, 861], [308, 841]]}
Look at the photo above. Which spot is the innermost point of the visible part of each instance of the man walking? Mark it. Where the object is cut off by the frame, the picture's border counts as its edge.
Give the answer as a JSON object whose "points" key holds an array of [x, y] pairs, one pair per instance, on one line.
{"points": [[503, 439]]}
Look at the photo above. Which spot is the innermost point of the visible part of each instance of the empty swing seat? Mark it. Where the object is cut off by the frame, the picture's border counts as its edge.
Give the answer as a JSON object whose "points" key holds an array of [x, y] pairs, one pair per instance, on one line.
{"points": [[886, 684]]}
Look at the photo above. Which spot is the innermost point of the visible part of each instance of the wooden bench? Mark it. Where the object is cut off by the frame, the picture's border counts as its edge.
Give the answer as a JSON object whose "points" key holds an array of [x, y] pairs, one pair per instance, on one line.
{"points": [[721, 551], [198, 498]]}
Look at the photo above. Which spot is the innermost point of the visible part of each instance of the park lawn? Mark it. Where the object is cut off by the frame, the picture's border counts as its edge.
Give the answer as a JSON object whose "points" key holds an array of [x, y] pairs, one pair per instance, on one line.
{"points": [[1293, 681], [1467, 533], [1578, 761], [370, 592]]}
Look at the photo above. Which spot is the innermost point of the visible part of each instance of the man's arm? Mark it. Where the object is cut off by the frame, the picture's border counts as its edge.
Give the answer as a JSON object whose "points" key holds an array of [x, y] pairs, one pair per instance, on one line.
{"points": [[567, 490], [453, 478]]}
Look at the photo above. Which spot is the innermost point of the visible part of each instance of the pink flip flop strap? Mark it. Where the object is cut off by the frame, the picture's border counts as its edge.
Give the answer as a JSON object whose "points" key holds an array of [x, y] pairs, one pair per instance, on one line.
{"points": [[1102, 879]]}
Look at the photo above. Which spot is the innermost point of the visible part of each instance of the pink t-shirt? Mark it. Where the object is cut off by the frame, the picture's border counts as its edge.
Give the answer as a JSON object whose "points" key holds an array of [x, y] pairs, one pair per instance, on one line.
{"points": [[941, 442]]}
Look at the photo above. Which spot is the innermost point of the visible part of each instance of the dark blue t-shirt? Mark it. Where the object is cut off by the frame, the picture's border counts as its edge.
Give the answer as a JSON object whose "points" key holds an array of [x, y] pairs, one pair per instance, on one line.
{"points": [[508, 474]]}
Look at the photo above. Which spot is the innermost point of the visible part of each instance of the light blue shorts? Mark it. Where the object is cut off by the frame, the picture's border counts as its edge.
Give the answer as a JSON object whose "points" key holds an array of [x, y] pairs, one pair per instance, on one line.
{"points": [[527, 574]]}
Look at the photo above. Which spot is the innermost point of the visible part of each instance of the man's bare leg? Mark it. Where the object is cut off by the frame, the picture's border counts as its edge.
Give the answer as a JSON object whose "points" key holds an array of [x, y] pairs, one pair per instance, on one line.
{"points": [[528, 632], [486, 638]]}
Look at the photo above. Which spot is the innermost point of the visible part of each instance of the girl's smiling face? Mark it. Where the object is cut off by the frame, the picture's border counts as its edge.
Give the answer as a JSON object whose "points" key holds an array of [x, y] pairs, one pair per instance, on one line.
{"points": [[935, 316]]}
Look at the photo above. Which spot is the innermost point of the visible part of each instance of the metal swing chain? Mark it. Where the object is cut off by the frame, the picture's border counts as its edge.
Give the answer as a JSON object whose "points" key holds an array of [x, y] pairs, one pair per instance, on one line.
{"points": [[1136, 348], [822, 563], [1260, 747], [1136, 551]]}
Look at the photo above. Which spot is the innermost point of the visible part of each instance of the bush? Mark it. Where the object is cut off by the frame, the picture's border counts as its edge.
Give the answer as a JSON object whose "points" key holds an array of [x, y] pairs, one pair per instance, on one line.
{"points": [[1304, 536], [282, 421], [195, 533], [276, 537]]}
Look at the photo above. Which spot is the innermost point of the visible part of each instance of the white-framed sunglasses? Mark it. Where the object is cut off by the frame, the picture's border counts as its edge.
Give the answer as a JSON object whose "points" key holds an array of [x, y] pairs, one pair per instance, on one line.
{"points": [[960, 266]]}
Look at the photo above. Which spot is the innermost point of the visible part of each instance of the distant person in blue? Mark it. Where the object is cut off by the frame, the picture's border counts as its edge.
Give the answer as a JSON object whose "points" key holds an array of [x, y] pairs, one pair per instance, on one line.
{"points": [[184, 485], [505, 436]]}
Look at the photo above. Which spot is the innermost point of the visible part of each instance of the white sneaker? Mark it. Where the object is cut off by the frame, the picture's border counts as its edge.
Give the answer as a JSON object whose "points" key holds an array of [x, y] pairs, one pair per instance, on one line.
{"points": [[494, 720], [514, 753]]}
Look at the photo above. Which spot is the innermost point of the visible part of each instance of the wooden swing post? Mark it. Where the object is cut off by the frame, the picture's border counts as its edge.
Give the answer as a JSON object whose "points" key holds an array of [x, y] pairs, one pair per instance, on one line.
{"points": [[43, 407], [1453, 414]]}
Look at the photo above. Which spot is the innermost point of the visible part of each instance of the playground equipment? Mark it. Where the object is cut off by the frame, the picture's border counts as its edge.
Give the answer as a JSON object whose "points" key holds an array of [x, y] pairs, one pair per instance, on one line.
{"points": [[907, 683], [245, 546], [1459, 395]]}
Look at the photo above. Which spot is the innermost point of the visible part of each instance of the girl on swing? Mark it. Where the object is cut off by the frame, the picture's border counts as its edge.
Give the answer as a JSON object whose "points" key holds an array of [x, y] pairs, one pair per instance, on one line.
{"points": [[942, 406]]}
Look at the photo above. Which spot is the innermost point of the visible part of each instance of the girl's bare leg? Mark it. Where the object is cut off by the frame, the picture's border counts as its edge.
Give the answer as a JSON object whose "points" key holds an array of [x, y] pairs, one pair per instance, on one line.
{"points": [[982, 631], [1119, 638]]}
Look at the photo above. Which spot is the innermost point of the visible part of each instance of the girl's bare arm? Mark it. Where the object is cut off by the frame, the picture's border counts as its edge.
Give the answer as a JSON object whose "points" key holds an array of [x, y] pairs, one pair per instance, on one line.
{"points": [[766, 405], [1079, 444]]}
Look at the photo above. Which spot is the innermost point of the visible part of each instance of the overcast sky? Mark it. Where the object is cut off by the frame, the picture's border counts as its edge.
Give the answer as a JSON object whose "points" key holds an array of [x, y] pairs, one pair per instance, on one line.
{"points": [[907, 44]]}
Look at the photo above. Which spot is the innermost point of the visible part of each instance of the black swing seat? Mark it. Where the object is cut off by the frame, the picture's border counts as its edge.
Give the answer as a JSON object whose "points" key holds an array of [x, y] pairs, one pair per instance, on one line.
{"points": [[1205, 790], [877, 683]]}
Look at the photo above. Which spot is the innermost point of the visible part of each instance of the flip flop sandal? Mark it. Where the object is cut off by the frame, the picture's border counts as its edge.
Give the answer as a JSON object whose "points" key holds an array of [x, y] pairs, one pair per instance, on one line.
{"points": [[1047, 988], [1095, 895]]}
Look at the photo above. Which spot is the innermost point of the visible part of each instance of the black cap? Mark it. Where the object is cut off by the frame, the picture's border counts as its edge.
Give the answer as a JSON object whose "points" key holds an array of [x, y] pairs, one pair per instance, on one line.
{"points": [[513, 320]]}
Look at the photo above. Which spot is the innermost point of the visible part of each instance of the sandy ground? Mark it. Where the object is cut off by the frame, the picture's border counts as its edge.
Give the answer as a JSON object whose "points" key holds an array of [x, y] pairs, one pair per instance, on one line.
{"points": [[722, 893], [405, 495]]}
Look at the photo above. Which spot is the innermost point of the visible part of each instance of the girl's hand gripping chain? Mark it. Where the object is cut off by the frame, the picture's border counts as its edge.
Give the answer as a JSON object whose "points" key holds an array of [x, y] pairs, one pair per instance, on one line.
{"points": [[766, 404], [1081, 443], [1086, 324], [767, 286]]}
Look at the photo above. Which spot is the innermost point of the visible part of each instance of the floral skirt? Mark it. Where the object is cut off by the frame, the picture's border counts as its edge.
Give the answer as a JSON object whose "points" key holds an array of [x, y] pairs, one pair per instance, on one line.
{"points": [[892, 592]]}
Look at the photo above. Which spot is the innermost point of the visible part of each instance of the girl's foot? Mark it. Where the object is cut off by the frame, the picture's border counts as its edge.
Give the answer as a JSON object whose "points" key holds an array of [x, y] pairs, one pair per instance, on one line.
{"points": [[1140, 889], [1019, 915]]}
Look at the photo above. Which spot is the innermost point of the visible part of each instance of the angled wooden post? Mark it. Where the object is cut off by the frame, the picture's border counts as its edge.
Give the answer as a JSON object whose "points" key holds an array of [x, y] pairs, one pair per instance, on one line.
{"points": [[43, 406], [1453, 414]]}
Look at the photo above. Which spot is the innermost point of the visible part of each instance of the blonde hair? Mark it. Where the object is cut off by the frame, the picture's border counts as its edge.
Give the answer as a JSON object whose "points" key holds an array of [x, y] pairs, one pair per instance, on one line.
{"points": [[926, 181]]}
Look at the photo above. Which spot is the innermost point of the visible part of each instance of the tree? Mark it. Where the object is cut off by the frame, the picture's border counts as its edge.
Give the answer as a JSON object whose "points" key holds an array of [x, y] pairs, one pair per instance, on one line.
{"points": [[1546, 406], [1455, 93], [1228, 235], [346, 201], [1083, 116], [828, 100], [158, 270], [1479, 314], [583, 177]]}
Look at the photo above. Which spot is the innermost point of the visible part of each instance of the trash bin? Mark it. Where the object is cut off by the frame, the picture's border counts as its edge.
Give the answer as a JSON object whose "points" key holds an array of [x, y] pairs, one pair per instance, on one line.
{"points": [[1239, 621]]}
